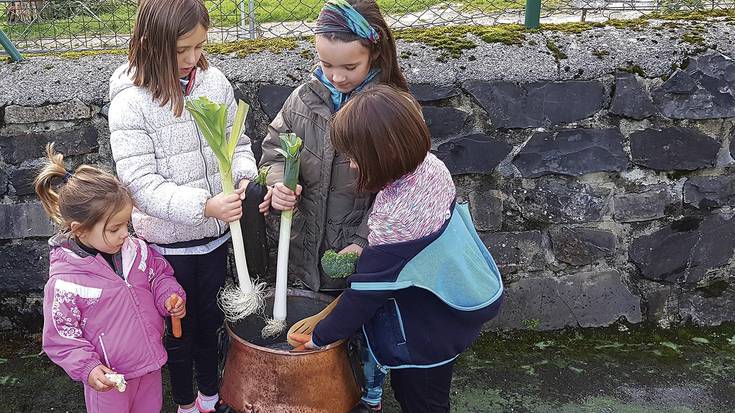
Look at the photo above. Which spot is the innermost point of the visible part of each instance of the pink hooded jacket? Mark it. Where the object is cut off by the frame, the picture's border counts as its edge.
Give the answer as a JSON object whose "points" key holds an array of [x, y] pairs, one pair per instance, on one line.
{"points": [[93, 316]]}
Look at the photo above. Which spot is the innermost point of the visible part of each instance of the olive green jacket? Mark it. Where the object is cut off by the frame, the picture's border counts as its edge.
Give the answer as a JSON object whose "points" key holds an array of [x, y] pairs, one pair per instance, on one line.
{"points": [[330, 213]]}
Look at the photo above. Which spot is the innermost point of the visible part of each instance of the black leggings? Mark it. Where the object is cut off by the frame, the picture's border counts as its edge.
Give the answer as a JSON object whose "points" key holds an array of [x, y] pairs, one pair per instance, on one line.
{"points": [[422, 390], [201, 276]]}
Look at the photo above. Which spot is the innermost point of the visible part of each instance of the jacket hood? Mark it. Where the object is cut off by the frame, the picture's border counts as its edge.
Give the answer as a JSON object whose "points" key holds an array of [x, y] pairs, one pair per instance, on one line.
{"points": [[120, 80]]}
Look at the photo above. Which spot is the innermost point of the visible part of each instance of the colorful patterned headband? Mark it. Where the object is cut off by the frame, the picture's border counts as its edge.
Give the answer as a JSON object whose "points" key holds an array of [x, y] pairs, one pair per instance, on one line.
{"points": [[338, 16]]}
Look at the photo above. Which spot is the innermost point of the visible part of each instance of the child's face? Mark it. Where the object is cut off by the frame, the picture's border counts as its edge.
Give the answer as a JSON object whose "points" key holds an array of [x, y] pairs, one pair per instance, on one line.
{"points": [[189, 49], [108, 239], [346, 64]]}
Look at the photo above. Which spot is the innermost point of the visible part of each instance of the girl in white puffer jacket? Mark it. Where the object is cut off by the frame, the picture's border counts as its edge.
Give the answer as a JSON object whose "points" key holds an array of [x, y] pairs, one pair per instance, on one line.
{"points": [[173, 176]]}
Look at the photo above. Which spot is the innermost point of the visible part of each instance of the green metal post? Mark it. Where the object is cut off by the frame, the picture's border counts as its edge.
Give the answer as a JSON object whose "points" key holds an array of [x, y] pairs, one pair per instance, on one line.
{"points": [[10, 47], [533, 13]]}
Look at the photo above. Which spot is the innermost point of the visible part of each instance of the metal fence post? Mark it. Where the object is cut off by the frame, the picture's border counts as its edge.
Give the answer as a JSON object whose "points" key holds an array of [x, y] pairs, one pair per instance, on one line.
{"points": [[533, 13], [10, 47], [251, 10], [242, 29]]}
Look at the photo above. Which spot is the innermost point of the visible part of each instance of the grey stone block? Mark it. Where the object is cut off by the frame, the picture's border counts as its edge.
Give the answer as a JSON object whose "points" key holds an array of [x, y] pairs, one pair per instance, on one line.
{"points": [[22, 179], [527, 105], [672, 149], [706, 309], [24, 220], [427, 92], [582, 246], [4, 169], [69, 110], [561, 201], [444, 122], [686, 250], [572, 152], [18, 148], [704, 90], [23, 266], [487, 210], [631, 98], [473, 154], [710, 191], [594, 299], [644, 206], [516, 251]]}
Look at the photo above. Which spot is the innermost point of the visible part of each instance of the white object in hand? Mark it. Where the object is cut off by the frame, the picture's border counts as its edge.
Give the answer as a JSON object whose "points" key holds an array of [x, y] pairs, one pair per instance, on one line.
{"points": [[118, 379]]}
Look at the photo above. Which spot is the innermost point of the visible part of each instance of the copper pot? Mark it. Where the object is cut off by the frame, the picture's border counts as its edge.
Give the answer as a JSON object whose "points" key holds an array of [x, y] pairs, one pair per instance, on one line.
{"points": [[260, 378]]}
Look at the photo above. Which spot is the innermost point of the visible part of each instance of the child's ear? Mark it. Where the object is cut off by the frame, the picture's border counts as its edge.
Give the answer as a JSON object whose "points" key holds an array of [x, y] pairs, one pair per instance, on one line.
{"points": [[76, 229]]}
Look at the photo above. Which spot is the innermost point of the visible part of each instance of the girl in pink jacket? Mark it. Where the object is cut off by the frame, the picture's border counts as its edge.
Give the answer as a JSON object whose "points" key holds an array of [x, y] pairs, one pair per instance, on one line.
{"points": [[107, 293]]}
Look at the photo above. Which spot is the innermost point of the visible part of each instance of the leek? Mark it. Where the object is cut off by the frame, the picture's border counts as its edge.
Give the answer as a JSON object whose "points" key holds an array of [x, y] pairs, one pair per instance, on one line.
{"points": [[291, 152], [211, 118]]}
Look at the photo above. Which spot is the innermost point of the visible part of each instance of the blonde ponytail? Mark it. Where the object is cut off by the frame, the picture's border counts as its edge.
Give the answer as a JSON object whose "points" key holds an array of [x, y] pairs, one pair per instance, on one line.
{"points": [[44, 183], [86, 196]]}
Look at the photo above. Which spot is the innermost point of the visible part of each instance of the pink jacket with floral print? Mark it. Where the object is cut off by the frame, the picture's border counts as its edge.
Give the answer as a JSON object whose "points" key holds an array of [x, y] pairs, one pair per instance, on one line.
{"points": [[94, 316]]}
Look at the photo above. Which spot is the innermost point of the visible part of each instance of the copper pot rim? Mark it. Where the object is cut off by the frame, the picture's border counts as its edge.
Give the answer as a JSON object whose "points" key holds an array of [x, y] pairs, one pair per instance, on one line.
{"points": [[290, 292], [246, 343]]}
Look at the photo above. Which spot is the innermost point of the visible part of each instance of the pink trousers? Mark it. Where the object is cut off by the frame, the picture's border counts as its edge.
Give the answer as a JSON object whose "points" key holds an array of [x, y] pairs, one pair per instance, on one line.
{"points": [[142, 395]]}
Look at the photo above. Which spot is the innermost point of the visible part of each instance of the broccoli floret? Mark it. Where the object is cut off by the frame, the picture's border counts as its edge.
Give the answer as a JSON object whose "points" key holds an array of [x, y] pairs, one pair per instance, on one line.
{"points": [[339, 265]]}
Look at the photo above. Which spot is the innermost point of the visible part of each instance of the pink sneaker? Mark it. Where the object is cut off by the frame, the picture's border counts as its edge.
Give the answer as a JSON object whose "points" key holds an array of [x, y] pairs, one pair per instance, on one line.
{"points": [[199, 404]]}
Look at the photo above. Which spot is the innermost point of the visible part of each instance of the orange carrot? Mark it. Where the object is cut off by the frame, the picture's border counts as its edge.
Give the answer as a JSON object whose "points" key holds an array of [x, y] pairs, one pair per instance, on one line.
{"points": [[175, 322]]}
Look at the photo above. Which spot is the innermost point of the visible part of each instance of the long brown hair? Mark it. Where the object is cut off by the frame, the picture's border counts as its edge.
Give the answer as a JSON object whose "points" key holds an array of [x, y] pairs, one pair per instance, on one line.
{"points": [[382, 130], [152, 53], [383, 53], [86, 196]]}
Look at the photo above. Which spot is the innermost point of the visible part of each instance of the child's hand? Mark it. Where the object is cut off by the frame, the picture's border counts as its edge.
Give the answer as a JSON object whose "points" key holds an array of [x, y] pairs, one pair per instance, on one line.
{"points": [[97, 379], [304, 339], [351, 248], [283, 198], [227, 208], [176, 306], [244, 186], [265, 206]]}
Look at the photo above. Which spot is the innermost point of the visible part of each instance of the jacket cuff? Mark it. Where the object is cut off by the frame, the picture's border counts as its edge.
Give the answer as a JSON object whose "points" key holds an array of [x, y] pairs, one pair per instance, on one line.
{"points": [[358, 240], [88, 369], [316, 341]]}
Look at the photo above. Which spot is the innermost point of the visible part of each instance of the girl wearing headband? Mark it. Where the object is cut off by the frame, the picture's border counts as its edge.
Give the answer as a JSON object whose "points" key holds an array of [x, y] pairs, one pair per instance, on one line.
{"points": [[355, 49]]}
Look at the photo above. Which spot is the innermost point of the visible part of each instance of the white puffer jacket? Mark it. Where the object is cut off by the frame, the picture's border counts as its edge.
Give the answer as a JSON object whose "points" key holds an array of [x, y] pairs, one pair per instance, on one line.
{"points": [[165, 161]]}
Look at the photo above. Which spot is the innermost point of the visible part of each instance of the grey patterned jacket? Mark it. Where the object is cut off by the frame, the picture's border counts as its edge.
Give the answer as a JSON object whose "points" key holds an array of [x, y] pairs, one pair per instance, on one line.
{"points": [[165, 161]]}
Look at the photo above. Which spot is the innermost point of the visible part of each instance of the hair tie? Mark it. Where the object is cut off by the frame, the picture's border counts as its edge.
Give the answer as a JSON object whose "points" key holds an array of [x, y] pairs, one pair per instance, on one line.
{"points": [[340, 16], [67, 176]]}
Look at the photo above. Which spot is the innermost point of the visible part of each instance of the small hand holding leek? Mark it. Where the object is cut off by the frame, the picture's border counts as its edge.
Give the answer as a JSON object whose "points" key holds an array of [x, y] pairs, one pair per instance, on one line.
{"points": [[283, 198], [225, 207]]}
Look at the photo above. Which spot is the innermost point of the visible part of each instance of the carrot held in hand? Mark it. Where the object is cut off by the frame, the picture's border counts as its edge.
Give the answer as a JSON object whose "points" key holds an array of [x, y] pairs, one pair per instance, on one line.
{"points": [[174, 301]]}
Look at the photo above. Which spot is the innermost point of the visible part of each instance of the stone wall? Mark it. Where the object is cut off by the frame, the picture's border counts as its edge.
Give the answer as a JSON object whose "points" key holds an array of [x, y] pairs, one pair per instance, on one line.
{"points": [[601, 182]]}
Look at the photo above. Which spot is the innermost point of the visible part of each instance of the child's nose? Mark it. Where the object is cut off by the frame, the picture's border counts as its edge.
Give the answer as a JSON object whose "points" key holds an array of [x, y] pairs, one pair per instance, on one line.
{"points": [[191, 58]]}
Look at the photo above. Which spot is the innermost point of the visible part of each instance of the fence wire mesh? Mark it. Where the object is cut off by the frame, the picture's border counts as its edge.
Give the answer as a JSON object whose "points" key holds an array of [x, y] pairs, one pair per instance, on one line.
{"points": [[62, 25]]}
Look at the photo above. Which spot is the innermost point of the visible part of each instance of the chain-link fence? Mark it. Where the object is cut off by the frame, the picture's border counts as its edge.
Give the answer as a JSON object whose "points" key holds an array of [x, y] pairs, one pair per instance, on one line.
{"points": [[59, 25]]}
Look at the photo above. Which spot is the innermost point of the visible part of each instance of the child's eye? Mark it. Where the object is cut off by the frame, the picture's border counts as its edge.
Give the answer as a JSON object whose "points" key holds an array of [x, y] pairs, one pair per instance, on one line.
{"points": [[351, 68]]}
